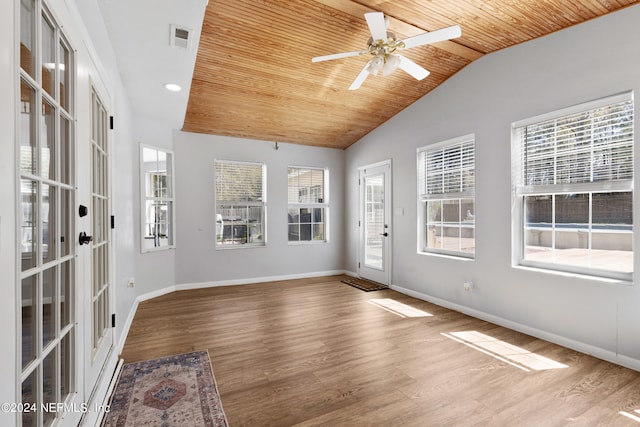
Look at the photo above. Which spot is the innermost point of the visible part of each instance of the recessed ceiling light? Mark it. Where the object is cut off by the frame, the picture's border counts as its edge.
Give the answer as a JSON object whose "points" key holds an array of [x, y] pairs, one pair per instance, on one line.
{"points": [[173, 87]]}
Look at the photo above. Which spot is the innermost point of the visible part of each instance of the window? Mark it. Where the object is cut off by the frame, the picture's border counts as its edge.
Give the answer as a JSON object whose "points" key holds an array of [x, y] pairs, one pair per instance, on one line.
{"points": [[446, 197], [158, 199], [308, 204], [573, 188], [240, 199]]}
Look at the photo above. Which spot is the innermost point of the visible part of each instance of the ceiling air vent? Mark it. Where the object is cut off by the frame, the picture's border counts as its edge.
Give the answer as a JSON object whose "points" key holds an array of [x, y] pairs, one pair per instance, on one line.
{"points": [[180, 37]]}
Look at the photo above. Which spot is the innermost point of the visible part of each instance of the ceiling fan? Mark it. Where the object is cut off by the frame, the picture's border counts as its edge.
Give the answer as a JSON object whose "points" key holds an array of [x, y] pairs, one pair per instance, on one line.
{"points": [[382, 45]]}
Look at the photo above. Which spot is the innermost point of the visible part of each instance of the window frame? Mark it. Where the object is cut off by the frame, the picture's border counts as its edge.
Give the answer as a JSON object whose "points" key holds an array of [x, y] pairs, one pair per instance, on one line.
{"points": [[307, 205], [423, 198], [520, 191], [262, 203], [168, 199]]}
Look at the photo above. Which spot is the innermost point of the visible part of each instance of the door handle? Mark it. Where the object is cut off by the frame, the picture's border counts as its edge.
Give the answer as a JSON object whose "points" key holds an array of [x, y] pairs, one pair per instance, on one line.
{"points": [[385, 234], [84, 239]]}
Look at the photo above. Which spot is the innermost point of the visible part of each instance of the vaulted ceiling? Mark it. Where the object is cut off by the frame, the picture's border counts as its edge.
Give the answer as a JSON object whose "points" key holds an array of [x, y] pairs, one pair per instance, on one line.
{"points": [[253, 75]]}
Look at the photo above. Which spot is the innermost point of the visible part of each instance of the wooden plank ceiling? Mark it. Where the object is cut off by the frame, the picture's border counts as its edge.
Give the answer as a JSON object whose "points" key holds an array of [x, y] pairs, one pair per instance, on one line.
{"points": [[254, 77]]}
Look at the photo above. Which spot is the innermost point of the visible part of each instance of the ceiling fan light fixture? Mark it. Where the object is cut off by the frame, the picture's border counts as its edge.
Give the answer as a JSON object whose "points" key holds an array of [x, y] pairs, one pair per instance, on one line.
{"points": [[391, 63], [382, 46], [375, 65]]}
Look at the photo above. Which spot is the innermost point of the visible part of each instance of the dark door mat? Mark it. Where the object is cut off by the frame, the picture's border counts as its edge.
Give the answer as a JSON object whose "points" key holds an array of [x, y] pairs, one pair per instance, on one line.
{"points": [[365, 285]]}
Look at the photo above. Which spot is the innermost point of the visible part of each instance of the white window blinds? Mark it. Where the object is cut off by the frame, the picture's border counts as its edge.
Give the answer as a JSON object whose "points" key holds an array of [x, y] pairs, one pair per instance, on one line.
{"points": [[239, 182], [305, 185], [590, 146], [447, 169]]}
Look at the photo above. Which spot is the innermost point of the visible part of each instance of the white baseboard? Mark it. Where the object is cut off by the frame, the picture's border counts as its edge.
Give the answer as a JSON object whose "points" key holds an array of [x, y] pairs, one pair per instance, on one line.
{"points": [[598, 352], [253, 280], [98, 401]]}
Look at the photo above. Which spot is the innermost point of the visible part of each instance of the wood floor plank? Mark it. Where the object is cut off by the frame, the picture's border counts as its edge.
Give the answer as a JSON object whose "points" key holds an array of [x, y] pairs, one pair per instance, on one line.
{"points": [[317, 352]]}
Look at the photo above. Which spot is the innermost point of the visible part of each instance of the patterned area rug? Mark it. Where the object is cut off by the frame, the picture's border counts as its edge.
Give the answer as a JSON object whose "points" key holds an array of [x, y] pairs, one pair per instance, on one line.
{"points": [[365, 285], [170, 391]]}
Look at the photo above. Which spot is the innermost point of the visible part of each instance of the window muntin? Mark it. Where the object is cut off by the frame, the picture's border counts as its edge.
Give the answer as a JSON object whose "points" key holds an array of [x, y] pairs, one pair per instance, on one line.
{"points": [[240, 200], [573, 176], [446, 197], [307, 204], [156, 166]]}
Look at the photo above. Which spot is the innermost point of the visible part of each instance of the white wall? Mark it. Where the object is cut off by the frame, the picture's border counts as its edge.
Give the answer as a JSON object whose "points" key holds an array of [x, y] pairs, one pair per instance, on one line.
{"points": [[154, 270], [197, 261], [582, 63]]}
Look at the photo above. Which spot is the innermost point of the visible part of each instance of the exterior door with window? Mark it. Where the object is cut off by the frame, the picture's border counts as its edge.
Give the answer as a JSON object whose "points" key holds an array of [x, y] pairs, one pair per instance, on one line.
{"points": [[375, 223]]}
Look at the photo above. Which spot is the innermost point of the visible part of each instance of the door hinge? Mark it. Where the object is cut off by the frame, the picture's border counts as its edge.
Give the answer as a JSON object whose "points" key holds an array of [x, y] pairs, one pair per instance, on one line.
{"points": [[113, 320], [113, 222], [358, 223], [358, 265], [111, 122]]}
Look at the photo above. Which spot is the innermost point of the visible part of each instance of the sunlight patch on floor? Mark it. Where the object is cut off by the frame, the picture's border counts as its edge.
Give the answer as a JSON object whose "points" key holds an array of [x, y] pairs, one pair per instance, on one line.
{"points": [[398, 308], [505, 352], [630, 415]]}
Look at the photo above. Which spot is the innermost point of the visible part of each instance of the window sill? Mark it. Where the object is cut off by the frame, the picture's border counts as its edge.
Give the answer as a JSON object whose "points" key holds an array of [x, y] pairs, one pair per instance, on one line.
{"points": [[448, 255], [575, 275], [307, 242], [160, 249], [219, 247]]}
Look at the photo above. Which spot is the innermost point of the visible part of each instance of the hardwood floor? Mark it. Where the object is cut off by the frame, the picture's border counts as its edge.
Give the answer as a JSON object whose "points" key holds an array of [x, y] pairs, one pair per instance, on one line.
{"points": [[318, 352]]}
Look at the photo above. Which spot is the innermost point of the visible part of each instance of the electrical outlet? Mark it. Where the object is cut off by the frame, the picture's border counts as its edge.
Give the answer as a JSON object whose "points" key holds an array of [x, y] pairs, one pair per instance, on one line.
{"points": [[468, 286], [131, 282]]}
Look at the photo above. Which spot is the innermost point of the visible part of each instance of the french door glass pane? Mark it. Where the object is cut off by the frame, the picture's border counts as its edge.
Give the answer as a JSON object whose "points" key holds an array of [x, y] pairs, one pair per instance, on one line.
{"points": [[48, 129], [66, 278], [27, 54], [66, 216], [65, 150], [49, 214], [65, 367], [29, 226], [49, 385], [49, 279], [29, 396], [63, 70], [27, 129], [48, 56], [29, 333]]}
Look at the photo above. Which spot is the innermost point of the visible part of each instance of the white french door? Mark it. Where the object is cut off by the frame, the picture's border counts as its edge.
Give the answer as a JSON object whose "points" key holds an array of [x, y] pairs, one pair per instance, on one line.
{"points": [[48, 330], [375, 223], [98, 334], [64, 293]]}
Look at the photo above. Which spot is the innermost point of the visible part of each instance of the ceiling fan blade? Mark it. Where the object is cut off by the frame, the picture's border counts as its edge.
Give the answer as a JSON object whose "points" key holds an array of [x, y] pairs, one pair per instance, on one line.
{"points": [[361, 78], [412, 68], [432, 37], [377, 27], [337, 56]]}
